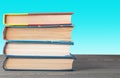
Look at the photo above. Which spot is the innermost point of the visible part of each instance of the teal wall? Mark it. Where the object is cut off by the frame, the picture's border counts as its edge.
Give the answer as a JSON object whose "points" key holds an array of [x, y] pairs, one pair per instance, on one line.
{"points": [[96, 22]]}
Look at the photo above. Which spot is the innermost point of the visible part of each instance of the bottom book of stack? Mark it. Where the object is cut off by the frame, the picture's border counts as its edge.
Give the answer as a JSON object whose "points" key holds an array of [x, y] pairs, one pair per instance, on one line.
{"points": [[39, 55], [38, 63]]}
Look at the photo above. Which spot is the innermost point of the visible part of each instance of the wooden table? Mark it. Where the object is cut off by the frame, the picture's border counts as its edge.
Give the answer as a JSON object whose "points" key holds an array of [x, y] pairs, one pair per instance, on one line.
{"points": [[86, 66]]}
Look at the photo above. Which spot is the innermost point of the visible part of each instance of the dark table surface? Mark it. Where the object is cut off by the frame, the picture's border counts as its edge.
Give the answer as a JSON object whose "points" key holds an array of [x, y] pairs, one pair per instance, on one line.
{"points": [[86, 66]]}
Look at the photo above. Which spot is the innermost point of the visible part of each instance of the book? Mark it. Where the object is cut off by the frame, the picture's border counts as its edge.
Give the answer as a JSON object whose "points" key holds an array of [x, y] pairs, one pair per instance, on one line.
{"points": [[37, 19], [38, 63], [37, 48], [62, 33]]}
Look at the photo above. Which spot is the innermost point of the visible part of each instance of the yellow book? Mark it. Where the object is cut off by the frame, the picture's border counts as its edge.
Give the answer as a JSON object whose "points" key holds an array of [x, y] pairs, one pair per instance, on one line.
{"points": [[39, 19]]}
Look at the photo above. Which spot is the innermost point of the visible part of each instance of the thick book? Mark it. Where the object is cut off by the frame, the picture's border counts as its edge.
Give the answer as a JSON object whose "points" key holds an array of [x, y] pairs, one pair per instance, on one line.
{"points": [[37, 19], [62, 33], [38, 63], [37, 48]]}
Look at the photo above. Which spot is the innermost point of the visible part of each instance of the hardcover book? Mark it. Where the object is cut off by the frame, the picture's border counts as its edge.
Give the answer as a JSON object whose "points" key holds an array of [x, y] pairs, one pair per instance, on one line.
{"points": [[37, 48], [37, 19], [38, 63], [59, 33]]}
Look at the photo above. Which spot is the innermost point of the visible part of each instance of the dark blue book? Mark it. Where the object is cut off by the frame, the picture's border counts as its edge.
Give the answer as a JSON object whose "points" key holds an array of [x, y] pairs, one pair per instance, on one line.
{"points": [[25, 63]]}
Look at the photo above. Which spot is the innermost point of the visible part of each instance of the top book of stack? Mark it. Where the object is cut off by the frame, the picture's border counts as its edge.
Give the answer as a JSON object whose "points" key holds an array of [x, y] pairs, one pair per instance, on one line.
{"points": [[38, 19]]}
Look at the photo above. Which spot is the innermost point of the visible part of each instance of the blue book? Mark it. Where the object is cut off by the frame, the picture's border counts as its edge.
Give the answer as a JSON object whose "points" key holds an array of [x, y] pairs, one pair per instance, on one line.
{"points": [[37, 48], [52, 32], [25, 63]]}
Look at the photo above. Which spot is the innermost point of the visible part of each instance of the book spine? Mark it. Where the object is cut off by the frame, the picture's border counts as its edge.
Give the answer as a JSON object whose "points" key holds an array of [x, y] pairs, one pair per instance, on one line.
{"points": [[4, 49], [4, 19], [4, 62], [4, 33]]}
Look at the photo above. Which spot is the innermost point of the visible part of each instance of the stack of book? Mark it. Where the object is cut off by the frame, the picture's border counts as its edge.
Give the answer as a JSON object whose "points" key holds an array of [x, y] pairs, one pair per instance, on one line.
{"points": [[39, 41]]}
